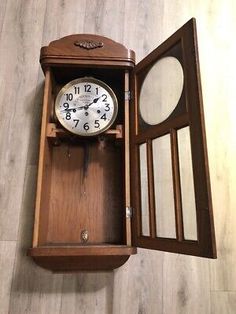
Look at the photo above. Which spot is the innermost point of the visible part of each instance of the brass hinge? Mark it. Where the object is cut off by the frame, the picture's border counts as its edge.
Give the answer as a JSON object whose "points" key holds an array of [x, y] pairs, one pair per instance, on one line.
{"points": [[127, 95], [129, 212]]}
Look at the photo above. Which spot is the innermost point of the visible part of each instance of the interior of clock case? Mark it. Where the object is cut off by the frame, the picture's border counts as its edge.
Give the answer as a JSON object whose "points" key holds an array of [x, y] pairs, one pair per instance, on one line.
{"points": [[82, 182]]}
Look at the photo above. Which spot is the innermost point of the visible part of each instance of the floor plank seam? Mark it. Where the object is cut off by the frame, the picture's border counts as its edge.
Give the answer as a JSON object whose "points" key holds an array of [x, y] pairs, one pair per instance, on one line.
{"points": [[232, 291]]}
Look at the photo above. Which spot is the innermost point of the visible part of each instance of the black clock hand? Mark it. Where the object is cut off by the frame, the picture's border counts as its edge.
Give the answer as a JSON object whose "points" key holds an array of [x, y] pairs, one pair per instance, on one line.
{"points": [[69, 109], [86, 106], [93, 102], [82, 107], [72, 109], [79, 108]]}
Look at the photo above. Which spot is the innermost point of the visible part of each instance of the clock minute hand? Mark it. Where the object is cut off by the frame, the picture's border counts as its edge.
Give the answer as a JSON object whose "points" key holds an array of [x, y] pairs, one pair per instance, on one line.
{"points": [[79, 108], [72, 109], [68, 109]]}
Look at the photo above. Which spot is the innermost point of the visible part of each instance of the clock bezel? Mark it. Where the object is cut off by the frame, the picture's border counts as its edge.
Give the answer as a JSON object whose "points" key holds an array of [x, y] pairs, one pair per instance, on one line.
{"points": [[93, 80]]}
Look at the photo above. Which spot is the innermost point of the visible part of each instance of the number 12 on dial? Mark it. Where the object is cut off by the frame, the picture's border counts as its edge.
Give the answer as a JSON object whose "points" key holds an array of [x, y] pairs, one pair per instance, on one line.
{"points": [[86, 106]]}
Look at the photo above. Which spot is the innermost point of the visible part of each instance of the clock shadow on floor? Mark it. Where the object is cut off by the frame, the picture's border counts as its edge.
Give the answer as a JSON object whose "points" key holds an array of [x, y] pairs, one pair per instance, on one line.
{"points": [[30, 282]]}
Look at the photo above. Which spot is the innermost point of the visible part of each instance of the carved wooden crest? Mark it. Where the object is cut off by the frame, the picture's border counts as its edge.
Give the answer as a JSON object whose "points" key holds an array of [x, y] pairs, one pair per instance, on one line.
{"points": [[89, 44]]}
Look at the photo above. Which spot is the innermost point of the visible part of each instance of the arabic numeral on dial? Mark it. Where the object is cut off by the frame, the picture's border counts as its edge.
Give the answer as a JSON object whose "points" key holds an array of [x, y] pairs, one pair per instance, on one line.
{"points": [[76, 89], [87, 88], [104, 117], [76, 122], [69, 97], [86, 126], [66, 105], [96, 90], [104, 97], [68, 116], [96, 124], [107, 107]]}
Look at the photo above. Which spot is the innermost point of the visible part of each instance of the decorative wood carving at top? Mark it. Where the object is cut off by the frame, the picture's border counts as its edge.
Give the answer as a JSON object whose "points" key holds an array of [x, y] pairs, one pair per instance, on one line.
{"points": [[89, 44]]}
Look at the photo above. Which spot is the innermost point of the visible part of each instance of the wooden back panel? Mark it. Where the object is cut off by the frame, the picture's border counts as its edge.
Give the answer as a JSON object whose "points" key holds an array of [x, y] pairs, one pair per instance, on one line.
{"points": [[86, 193]]}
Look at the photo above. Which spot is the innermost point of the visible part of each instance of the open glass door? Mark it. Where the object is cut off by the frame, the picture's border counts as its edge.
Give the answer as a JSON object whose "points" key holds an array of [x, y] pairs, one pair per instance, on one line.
{"points": [[170, 187]]}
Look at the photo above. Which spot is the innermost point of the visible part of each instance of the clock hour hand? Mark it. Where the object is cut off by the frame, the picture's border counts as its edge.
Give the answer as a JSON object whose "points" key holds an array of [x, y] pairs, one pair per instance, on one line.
{"points": [[93, 102]]}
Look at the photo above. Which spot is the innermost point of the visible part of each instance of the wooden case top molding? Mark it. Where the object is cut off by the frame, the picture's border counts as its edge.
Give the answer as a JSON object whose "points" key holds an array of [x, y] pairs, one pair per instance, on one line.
{"points": [[79, 48]]}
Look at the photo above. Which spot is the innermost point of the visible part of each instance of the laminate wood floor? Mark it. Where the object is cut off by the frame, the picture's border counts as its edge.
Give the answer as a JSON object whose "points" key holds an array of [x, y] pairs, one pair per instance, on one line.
{"points": [[150, 282]]}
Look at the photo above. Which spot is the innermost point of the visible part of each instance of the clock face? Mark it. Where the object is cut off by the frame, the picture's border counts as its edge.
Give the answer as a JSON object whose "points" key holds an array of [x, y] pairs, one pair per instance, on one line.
{"points": [[86, 106]]}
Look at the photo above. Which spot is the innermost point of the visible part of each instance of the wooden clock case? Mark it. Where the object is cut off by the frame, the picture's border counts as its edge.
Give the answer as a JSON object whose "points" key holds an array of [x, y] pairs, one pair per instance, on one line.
{"points": [[88, 210]]}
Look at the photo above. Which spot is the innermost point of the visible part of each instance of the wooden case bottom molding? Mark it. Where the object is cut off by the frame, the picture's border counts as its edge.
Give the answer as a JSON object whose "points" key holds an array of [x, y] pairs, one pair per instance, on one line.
{"points": [[84, 258]]}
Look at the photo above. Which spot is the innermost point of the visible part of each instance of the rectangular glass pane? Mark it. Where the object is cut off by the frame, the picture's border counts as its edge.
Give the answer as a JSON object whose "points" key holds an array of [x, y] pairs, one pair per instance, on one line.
{"points": [[164, 193], [187, 185], [144, 190]]}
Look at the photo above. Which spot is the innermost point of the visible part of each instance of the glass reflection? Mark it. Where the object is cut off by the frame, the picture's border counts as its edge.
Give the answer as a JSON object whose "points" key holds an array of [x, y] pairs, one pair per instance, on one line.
{"points": [[161, 90], [187, 185], [164, 193], [144, 190]]}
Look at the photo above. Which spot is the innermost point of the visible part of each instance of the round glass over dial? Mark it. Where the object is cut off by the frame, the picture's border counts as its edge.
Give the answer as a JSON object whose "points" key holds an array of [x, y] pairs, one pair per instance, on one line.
{"points": [[86, 106]]}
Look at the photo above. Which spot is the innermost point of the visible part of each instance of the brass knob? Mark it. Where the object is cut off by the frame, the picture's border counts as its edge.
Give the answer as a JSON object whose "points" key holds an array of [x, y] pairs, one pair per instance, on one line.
{"points": [[84, 236]]}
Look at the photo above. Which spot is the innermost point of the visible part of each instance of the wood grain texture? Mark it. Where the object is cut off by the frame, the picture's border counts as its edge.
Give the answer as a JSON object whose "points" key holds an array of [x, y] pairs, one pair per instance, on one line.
{"points": [[88, 293], [134, 292], [68, 50], [67, 219], [18, 85], [33, 290], [150, 282], [223, 302], [186, 285], [7, 256]]}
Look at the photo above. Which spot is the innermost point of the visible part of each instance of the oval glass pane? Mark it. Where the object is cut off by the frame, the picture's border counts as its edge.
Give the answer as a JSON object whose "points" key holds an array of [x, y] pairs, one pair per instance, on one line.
{"points": [[161, 90]]}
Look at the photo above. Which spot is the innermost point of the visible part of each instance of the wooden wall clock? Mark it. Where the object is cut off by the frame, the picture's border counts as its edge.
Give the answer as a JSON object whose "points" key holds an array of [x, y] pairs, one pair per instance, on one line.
{"points": [[111, 174]]}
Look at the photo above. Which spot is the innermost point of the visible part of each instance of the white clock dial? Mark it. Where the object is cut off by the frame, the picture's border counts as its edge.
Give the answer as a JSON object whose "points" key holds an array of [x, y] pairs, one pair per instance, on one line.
{"points": [[86, 106]]}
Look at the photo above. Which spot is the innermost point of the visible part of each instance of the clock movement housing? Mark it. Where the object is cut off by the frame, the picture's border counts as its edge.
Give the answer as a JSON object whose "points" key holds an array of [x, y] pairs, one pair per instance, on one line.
{"points": [[89, 208]]}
